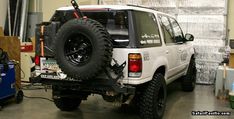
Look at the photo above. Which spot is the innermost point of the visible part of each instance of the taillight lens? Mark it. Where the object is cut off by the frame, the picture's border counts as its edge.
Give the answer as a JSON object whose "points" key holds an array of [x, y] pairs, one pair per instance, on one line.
{"points": [[37, 60], [134, 65]]}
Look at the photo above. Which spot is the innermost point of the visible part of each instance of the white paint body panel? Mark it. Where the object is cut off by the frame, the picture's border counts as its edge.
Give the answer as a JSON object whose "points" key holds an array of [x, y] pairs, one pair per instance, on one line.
{"points": [[157, 57]]}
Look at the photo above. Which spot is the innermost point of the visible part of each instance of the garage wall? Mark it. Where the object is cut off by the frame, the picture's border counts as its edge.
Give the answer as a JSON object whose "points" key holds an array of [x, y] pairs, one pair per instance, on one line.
{"points": [[231, 19], [3, 11], [49, 6]]}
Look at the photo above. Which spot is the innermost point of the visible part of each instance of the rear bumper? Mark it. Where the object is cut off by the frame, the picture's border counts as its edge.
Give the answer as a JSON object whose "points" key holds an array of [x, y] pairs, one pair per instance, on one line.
{"points": [[93, 86], [137, 81]]}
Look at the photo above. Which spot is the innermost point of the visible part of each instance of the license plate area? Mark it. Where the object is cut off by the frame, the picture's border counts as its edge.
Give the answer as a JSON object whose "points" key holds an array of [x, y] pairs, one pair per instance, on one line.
{"points": [[50, 76], [48, 65], [57, 76]]}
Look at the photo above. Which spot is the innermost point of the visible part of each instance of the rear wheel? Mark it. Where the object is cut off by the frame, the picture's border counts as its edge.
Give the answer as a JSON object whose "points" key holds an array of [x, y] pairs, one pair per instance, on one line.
{"points": [[153, 98], [64, 100], [67, 104], [189, 80]]}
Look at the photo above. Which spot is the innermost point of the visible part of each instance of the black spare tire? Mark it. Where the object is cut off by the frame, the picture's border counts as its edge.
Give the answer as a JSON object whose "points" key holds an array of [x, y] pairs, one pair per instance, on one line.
{"points": [[83, 48]]}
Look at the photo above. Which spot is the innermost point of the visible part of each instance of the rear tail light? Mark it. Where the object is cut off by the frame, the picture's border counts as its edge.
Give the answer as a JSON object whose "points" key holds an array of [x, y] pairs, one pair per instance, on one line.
{"points": [[134, 65], [37, 60]]}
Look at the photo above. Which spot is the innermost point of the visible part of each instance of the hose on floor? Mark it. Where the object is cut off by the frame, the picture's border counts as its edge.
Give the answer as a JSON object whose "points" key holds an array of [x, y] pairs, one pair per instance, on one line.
{"points": [[29, 87], [43, 98], [35, 87]]}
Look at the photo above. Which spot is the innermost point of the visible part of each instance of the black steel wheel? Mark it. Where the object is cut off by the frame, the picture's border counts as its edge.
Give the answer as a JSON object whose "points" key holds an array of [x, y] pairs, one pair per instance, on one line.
{"points": [[78, 49], [83, 48], [153, 98]]}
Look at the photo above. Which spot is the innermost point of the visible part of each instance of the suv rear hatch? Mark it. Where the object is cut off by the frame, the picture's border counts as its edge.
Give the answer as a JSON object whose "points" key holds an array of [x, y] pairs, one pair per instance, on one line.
{"points": [[117, 23]]}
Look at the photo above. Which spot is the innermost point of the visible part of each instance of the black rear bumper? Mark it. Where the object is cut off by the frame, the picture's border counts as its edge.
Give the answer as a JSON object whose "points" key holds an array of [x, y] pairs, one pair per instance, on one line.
{"points": [[99, 86]]}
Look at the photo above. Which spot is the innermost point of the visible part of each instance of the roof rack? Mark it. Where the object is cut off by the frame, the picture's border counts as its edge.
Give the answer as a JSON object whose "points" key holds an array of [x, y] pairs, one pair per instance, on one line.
{"points": [[141, 6]]}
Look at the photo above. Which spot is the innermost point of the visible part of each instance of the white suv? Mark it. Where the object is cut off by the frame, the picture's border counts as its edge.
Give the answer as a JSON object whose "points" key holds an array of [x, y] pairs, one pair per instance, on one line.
{"points": [[123, 53]]}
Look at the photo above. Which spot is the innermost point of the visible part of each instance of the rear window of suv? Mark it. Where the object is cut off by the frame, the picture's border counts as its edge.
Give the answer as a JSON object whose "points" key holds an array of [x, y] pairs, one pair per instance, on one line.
{"points": [[116, 23]]}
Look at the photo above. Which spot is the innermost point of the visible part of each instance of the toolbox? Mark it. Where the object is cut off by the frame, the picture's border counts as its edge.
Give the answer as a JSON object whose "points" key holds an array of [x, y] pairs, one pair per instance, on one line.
{"points": [[7, 81], [8, 88]]}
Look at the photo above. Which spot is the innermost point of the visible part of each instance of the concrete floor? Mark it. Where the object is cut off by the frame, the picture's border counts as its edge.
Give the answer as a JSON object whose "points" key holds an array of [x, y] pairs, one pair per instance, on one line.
{"points": [[179, 106]]}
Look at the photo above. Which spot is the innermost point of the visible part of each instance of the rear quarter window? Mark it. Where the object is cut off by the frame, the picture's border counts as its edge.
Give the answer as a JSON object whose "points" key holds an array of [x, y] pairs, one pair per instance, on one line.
{"points": [[147, 30]]}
